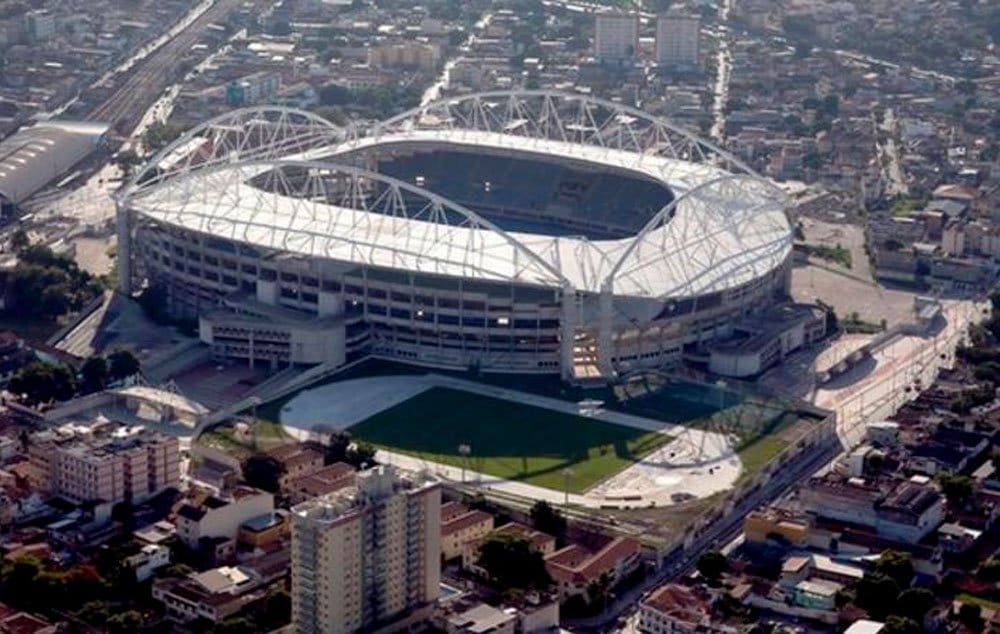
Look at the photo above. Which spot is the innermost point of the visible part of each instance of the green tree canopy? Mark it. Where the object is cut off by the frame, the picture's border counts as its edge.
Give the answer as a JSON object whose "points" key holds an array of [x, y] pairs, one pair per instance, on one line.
{"points": [[711, 564], [957, 489], [510, 562], [93, 374], [41, 382], [263, 472], [547, 519], [877, 594], [897, 566], [122, 364], [901, 625], [913, 603]]}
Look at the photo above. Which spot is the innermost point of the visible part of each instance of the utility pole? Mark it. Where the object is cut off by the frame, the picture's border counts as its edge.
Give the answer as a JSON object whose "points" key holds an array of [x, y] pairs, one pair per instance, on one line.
{"points": [[464, 449], [567, 474]]}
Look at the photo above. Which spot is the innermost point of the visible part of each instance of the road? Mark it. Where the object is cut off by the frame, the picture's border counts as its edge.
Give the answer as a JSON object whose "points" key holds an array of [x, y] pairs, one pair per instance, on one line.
{"points": [[433, 92], [889, 152], [724, 65]]}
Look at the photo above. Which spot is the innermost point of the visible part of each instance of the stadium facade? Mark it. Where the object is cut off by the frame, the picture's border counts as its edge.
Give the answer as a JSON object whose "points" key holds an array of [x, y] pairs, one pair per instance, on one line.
{"points": [[525, 232]]}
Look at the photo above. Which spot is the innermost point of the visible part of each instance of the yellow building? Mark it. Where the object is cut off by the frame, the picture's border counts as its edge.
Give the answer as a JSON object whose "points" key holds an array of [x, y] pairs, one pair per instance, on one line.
{"points": [[460, 525]]}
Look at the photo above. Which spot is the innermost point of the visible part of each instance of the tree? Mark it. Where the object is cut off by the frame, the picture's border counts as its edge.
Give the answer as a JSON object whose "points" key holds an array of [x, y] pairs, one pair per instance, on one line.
{"points": [[547, 519], [93, 374], [711, 565], [971, 616], [361, 455], [877, 594], [901, 625], [337, 447], [510, 562], [263, 472], [897, 566], [19, 240], [41, 382], [989, 571], [913, 603], [598, 589], [122, 364], [125, 622], [159, 135], [94, 613], [956, 488]]}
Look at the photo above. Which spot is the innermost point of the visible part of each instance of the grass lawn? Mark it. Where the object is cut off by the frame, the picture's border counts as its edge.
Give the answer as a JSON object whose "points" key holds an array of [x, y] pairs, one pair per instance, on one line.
{"points": [[508, 439], [268, 435], [758, 453], [974, 600]]}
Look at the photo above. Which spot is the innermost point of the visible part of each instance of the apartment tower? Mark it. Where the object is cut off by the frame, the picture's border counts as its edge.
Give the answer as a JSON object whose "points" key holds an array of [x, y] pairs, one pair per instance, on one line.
{"points": [[366, 558]]}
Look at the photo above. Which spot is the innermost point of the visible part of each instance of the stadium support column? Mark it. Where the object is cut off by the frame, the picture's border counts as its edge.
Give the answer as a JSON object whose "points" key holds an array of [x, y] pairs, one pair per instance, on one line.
{"points": [[124, 249], [605, 340], [567, 331]]}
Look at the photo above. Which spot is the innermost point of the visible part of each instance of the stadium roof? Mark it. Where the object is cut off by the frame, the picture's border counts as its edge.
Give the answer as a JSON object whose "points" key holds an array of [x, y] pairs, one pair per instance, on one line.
{"points": [[32, 157], [277, 185]]}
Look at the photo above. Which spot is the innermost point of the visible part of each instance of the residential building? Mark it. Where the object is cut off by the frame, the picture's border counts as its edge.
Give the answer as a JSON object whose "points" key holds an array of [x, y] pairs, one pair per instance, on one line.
{"points": [[770, 523], [574, 567], [414, 55], [677, 40], [616, 39], [482, 619], [297, 461], [219, 517], [147, 561], [265, 530], [460, 525], [40, 25], [213, 595], [906, 511], [673, 608], [103, 461], [327, 480], [538, 541], [367, 558]]}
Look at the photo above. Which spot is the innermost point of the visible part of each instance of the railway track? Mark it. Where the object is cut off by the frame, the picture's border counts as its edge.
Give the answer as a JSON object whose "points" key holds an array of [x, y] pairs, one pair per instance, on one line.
{"points": [[150, 77]]}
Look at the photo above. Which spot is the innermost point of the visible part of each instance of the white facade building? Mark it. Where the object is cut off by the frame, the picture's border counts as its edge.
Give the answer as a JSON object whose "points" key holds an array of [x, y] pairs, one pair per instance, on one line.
{"points": [[366, 559], [677, 40], [151, 558], [221, 517], [616, 38]]}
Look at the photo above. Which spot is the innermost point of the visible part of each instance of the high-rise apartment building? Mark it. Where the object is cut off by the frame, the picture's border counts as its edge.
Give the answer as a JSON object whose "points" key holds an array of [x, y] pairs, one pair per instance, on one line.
{"points": [[367, 558], [616, 38], [677, 40]]}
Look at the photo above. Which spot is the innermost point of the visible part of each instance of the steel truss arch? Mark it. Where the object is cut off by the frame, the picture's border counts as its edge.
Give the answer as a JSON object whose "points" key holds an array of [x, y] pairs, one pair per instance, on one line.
{"points": [[691, 229], [248, 134], [320, 207], [567, 117]]}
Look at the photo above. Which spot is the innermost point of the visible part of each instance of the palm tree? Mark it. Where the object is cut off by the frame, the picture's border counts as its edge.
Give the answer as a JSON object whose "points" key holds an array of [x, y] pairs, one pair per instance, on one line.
{"points": [[598, 590]]}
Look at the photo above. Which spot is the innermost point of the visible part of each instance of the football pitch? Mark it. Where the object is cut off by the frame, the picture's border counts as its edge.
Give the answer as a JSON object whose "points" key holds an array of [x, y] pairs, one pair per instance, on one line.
{"points": [[508, 439]]}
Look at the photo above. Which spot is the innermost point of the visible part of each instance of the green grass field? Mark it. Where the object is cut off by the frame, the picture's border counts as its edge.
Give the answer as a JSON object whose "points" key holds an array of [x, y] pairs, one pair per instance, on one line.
{"points": [[508, 439]]}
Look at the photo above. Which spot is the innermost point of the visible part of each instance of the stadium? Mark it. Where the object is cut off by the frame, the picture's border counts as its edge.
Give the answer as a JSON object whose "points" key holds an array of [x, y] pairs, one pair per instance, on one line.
{"points": [[513, 232]]}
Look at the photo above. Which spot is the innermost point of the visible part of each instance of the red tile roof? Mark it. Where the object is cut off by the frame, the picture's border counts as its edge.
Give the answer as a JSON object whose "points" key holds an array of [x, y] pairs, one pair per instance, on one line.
{"points": [[678, 602], [575, 564], [461, 522]]}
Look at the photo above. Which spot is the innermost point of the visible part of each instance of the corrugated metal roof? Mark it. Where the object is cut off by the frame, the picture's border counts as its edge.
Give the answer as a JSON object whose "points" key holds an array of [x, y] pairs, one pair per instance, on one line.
{"points": [[32, 157]]}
